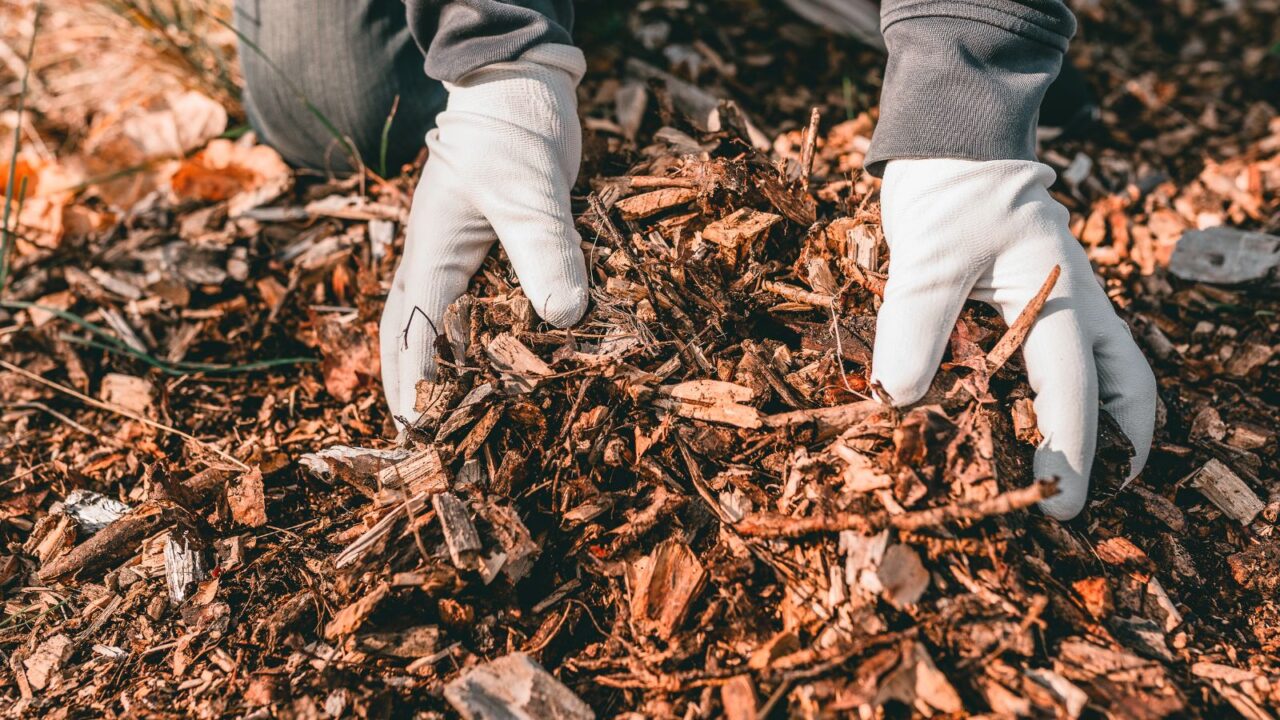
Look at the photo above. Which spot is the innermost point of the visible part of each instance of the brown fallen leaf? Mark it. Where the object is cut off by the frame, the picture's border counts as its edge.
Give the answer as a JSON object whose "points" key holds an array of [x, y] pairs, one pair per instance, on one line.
{"points": [[245, 174]]}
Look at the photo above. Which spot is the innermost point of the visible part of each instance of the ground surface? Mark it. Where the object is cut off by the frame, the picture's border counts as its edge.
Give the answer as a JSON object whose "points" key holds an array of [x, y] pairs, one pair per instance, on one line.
{"points": [[683, 508]]}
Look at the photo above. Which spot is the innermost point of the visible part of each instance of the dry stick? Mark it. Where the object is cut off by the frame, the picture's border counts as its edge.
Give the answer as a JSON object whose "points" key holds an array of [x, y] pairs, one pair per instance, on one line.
{"points": [[809, 150], [641, 182], [119, 539], [798, 295], [113, 543], [770, 525], [1017, 332], [121, 411]]}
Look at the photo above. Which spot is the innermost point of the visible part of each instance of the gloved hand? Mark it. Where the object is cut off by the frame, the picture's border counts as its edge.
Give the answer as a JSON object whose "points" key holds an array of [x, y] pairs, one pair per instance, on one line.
{"points": [[503, 158], [990, 231]]}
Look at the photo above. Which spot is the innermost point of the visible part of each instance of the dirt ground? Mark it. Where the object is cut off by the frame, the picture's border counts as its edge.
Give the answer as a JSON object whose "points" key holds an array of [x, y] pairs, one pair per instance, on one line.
{"points": [[687, 506]]}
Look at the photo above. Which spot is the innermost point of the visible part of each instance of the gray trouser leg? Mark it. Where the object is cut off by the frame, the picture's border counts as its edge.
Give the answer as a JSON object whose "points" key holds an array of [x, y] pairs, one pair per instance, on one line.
{"points": [[458, 36], [349, 60]]}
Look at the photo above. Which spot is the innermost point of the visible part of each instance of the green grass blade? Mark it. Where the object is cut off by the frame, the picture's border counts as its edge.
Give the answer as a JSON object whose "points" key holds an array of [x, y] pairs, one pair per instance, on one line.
{"points": [[6, 235], [110, 343]]}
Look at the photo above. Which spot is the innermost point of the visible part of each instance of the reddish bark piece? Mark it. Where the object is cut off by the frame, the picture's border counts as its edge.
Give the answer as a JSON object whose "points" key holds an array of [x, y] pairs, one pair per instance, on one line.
{"points": [[1095, 593], [738, 696], [247, 499], [663, 587], [642, 206], [1257, 568], [350, 618], [1120, 551]]}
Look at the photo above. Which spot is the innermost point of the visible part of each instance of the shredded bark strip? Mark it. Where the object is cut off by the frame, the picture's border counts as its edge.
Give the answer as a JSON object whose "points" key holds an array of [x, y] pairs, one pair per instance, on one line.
{"points": [[690, 505]]}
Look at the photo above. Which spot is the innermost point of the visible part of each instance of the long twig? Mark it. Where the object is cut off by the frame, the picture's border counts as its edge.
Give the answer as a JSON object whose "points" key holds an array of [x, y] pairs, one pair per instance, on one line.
{"points": [[122, 411], [1017, 332], [772, 525]]}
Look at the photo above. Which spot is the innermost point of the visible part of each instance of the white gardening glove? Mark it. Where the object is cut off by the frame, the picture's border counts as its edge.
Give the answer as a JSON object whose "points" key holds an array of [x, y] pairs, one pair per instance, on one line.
{"points": [[504, 156], [990, 231]]}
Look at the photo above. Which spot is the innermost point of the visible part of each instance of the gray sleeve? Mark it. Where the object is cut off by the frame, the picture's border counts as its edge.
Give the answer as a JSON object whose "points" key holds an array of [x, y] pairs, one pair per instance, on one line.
{"points": [[965, 77], [458, 36]]}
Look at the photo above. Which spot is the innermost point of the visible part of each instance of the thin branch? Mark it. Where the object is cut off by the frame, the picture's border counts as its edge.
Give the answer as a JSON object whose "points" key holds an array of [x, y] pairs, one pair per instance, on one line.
{"points": [[772, 525], [124, 412]]}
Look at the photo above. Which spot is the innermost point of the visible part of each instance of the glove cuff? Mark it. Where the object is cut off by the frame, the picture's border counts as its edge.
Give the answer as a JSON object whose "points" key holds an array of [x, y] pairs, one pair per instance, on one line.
{"points": [[541, 58]]}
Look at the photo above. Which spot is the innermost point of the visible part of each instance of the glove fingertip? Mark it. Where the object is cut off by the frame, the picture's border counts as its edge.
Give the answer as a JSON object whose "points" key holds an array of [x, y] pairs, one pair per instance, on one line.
{"points": [[1073, 487], [564, 309], [899, 384], [1065, 505]]}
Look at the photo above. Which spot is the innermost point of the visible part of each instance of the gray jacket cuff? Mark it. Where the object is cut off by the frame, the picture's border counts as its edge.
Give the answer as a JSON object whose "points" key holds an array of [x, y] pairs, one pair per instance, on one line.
{"points": [[458, 36], [965, 78]]}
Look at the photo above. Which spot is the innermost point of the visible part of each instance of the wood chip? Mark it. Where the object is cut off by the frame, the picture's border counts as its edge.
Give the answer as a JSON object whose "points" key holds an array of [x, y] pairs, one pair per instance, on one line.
{"points": [[918, 684], [519, 549], [126, 391], [184, 564], [422, 472], [44, 666], [738, 696], [663, 586], [737, 232], [510, 356], [514, 687], [711, 400], [1227, 491], [459, 532]]}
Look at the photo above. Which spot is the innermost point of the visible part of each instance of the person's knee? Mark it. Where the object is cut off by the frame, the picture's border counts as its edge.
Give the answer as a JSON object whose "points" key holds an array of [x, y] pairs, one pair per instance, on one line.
{"points": [[335, 86]]}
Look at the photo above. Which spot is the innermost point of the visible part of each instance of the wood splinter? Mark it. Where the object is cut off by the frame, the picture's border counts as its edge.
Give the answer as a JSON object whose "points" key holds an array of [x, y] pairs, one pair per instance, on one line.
{"points": [[1017, 332], [770, 525]]}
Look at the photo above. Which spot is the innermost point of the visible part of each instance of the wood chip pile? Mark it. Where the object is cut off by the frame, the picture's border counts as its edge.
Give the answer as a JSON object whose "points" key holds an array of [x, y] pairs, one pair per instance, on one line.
{"points": [[690, 505]]}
